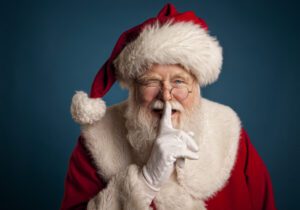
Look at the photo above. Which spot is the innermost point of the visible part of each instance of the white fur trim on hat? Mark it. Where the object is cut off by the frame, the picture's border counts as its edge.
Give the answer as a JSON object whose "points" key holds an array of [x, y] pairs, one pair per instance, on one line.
{"points": [[183, 43], [87, 110]]}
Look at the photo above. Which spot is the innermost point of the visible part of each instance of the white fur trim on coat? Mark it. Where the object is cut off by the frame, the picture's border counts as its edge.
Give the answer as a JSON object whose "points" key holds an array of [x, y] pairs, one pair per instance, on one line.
{"points": [[201, 179], [87, 110], [124, 191], [183, 43]]}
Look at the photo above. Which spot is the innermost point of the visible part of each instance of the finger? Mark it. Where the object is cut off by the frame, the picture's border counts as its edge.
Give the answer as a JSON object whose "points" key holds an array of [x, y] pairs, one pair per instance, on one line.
{"points": [[166, 118], [189, 141], [187, 154], [191, 133], [180, 162]]}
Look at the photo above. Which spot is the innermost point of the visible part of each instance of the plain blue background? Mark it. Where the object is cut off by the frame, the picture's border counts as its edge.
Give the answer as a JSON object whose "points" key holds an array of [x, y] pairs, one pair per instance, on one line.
{"points": [[51, 48]]}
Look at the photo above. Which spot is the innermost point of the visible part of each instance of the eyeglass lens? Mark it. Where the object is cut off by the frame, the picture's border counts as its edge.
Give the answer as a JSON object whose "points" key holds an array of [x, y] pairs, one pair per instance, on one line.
{"points": [[179, 93]]}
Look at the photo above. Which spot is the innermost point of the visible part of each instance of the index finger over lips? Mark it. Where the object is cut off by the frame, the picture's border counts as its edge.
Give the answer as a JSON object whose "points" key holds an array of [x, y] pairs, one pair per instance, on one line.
{"points": [[166, 120]]}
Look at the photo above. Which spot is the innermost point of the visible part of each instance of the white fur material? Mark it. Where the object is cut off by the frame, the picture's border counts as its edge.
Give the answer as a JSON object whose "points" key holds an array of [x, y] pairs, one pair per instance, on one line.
{"points": [[109, 135], [87, 110], [218, 144], [183, 43], [200, 179], [124, 191]]}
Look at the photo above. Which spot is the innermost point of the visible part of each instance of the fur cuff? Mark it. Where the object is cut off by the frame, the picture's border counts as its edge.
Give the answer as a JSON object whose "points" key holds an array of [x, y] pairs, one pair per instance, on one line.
{"points": [[87, 110], [125, 191]]}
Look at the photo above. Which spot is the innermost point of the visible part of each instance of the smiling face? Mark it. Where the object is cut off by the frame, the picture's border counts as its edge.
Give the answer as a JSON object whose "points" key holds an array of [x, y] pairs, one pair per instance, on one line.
{"points": [[167, 83]]}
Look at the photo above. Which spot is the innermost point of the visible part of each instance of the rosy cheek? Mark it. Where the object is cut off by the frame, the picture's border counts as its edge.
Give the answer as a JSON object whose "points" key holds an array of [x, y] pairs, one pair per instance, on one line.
{"points": [[145, 99], [190, 101]]}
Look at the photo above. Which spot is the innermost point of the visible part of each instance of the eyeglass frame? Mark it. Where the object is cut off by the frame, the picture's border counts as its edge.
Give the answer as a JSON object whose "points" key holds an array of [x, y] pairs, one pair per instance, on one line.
{"points": [[139, 82]]}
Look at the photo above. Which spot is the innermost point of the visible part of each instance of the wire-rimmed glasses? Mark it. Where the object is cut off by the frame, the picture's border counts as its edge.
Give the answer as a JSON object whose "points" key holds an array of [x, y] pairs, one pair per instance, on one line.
{"points": [[153, 88]]}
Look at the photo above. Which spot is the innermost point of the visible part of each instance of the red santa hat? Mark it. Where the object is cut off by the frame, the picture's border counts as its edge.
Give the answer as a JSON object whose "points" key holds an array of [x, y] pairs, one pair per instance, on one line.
{"points": [[169, 38]]}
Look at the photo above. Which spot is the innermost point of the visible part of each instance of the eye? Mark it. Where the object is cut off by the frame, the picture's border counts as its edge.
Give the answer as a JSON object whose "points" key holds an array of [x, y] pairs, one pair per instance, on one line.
{"points": [[178, 82], [151, 83]]}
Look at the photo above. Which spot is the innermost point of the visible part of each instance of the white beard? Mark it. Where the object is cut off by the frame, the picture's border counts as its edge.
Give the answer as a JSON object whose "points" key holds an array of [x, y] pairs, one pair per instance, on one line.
{"points": [[142, 127]]}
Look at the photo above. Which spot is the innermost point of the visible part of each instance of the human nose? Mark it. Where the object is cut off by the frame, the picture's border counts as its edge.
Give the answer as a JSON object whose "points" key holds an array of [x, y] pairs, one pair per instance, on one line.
{"points": [[166, 92]]}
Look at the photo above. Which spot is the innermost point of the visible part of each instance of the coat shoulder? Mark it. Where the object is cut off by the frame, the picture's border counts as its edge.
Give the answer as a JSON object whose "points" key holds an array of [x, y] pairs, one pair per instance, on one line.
{"points": [[221, 119], [219, 111], [106, 141]]}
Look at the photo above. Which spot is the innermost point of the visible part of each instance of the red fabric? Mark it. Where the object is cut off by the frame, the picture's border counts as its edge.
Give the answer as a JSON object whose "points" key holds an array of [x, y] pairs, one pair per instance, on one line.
{"points": [[105, 77], [249, 186], [82, 181]]}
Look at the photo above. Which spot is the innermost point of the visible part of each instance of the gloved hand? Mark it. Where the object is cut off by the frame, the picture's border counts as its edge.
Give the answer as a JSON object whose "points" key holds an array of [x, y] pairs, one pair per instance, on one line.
{"points": [[171, 145]]}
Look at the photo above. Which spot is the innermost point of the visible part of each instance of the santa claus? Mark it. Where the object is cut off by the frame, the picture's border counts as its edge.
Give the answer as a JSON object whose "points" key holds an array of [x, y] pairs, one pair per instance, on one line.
{"points": [[166, 147]]}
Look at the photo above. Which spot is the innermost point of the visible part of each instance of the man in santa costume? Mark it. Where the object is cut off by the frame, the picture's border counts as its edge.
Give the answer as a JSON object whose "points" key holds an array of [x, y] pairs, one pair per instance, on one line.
{"points": [[166, 147]]}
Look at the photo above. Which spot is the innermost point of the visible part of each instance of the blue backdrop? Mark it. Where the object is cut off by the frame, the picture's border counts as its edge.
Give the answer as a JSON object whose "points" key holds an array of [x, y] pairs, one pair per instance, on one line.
{"points": [[51, 48]]}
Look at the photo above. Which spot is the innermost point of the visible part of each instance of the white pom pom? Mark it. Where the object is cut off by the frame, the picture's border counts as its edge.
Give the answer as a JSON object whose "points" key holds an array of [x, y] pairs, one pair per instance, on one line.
{"points": [[87, 110]]}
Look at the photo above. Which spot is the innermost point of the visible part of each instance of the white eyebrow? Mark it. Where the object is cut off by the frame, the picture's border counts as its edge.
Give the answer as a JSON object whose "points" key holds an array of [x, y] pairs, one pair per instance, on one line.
{"points": [[180, 75], [152, 76]]}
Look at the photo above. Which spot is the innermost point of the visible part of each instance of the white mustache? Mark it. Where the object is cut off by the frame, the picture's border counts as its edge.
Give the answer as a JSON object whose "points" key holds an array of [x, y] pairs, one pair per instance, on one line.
{"points": [[157, 104]]}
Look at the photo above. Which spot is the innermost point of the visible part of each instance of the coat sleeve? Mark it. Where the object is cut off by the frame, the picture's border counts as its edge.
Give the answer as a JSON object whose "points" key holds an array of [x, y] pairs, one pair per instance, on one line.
{"points": [[258, 178], [82, 181], [84, 189]]}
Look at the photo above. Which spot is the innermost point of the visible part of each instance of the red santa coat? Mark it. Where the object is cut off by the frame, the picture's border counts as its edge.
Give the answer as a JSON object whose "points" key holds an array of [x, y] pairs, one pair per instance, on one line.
{"points": [[248, 185]]}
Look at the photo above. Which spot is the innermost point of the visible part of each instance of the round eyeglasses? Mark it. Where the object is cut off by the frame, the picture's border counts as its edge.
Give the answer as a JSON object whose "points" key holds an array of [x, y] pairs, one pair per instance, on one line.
{"points": [[153, 89]]}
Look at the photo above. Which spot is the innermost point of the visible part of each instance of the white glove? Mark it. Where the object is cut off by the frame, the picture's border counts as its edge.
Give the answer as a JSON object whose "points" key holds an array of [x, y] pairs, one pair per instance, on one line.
{"points": [[170, 145]]}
